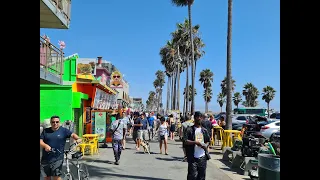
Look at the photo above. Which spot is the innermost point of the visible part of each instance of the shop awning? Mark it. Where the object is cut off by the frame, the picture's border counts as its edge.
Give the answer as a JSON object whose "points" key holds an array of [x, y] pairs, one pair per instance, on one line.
{"points": [[85, 77]]}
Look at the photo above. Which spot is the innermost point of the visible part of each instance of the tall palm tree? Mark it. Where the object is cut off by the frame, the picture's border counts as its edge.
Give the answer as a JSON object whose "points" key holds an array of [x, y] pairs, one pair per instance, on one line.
{"points": [[268, 93], [221, 100], [167, 55], [207, 95], [237, 99], [152, 99], [189, 90], [158, 84], [223, 85], [229, 74], [181, 37], [182, 3], [206, 77], [251, 94]]}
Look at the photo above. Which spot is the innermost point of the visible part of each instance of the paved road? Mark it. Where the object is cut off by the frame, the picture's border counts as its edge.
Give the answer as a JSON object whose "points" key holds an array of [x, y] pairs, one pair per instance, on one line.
{"points": [[136, 165]]}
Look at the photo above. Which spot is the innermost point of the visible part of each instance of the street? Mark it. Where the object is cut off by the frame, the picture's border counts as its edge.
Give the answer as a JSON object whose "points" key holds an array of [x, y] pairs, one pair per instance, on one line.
{"points": [[137, 165]]}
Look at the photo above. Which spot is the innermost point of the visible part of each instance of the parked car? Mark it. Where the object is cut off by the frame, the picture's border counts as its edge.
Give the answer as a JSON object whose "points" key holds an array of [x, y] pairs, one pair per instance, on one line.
{"points": [[268, 129], [241, 119], [275, 116]]}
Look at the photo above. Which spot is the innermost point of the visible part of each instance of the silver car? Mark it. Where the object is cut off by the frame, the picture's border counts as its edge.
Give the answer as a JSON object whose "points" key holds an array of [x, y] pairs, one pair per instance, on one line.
{"points": [[268, 129]]}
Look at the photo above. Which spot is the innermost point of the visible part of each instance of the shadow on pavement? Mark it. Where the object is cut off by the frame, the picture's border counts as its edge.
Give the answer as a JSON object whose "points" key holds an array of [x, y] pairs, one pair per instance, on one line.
{"points": [[227, 163], [100, 172], [173, 158]]}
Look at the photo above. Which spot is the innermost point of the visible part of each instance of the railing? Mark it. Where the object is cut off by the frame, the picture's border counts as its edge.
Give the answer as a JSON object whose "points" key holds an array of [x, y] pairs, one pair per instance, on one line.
{"points": [[51, 58], [64, 6]]}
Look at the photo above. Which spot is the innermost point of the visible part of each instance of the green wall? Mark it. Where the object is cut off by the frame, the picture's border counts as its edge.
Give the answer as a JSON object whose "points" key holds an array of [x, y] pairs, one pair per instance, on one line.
{"points": [[69, 73], [56, 100]]}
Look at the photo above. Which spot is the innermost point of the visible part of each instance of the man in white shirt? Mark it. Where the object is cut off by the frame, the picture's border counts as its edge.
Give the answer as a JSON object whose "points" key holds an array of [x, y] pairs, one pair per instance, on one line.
{"points": [[196, 140]]}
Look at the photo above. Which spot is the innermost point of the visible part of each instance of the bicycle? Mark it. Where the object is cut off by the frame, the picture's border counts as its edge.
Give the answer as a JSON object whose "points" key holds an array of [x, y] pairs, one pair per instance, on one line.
{"points": [[82, 170]]}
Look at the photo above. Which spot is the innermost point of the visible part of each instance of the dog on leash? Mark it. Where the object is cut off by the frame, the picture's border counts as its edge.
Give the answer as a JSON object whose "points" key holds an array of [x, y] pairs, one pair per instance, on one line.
{"points": [[146, 146]]}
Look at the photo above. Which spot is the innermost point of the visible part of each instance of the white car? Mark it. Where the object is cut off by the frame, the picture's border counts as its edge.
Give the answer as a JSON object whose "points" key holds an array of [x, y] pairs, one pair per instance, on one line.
{"points": [[269, 129], [241, 118]]}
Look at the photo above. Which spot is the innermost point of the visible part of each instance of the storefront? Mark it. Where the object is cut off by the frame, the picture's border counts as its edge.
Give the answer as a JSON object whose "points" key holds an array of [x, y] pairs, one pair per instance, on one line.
{"points": [[97, 108]]}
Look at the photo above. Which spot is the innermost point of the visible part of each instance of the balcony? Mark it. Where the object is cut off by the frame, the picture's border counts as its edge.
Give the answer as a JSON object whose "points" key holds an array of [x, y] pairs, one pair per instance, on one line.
{"points": [[55, 14], [51, 63]]}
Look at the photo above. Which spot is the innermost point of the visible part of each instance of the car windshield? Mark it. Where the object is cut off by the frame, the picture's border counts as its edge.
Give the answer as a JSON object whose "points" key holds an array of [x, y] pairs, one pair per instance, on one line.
{"points": [[241, 118], [278, 116]]}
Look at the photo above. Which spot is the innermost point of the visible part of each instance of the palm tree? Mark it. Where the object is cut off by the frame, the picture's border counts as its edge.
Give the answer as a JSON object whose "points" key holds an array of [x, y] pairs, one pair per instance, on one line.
{"points": [[206, 77], [182, 3], [167, 55], [207, 95], [181, 39], [221, 100], [229, 74], [190, 92], [251, 94], [237, 99], [158, 84], [151, 100], [223, 85], [268, 94]]}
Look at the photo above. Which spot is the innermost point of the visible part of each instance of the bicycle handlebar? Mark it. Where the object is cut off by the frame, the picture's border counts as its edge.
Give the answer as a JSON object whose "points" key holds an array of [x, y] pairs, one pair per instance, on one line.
{"points": [[54, 150]]}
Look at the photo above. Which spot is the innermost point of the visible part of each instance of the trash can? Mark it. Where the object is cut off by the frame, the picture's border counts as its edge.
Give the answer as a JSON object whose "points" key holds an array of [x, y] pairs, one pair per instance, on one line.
{"points": [[269, 167]]}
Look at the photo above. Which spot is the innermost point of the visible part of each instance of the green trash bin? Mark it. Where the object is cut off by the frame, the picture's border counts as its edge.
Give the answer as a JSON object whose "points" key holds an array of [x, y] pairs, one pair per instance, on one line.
{"points": [[269, 167]]}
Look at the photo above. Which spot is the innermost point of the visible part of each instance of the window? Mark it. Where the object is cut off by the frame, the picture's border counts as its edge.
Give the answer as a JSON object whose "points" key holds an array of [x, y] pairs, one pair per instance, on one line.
{"points": [[254, 111], [278, 124], [241, 118], [273, 115]]}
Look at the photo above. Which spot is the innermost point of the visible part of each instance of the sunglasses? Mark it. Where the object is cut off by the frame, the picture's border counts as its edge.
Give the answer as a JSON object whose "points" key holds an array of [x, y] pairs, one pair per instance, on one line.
{"points": [[55, 122], [116, 76]]}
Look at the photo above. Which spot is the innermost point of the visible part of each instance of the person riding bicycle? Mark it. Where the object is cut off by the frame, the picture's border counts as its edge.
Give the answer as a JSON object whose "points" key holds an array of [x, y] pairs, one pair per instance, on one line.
{"points": [[51, 138]]}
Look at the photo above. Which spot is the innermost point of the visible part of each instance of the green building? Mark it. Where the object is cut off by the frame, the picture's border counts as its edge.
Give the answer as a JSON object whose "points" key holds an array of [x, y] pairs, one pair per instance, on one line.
{"points": [[60, 100]]}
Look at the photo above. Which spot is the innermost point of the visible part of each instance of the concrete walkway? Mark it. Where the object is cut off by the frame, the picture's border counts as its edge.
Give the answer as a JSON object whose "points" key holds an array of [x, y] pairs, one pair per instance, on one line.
{"points": [[155, 166]]}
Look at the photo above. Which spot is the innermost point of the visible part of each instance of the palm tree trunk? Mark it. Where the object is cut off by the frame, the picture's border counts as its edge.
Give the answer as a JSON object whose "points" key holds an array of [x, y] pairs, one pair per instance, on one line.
{"points": [[178, 88], [269, 110], [229, 74], [205, 101], [172, 85], [220, 108], [187, 86], [158, 110], [184, 104], [168, 94], [192, 57], [206, 105], [175, 91]]}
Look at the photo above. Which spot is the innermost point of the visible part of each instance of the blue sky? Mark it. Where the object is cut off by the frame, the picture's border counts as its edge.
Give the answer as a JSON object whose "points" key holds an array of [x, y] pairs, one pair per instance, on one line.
{"points": [[131, 33]]}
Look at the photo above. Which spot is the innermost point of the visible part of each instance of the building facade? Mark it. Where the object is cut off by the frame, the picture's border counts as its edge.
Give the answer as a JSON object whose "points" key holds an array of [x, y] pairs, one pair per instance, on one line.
{"points": [[54, 14]]}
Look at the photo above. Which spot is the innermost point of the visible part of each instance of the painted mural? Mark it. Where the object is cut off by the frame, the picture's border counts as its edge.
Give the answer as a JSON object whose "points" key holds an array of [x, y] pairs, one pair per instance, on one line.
{"points": [[116, 80]]}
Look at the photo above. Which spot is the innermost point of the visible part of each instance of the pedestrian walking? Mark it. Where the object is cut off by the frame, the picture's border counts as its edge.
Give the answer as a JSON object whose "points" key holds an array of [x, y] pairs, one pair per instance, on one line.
{"points": [[163, 135], [118, 131], [196, 144]]}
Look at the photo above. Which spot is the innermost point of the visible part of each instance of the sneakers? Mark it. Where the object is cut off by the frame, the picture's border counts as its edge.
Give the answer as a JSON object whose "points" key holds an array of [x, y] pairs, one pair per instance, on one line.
{"points": [[184, 159], [117, 163]]}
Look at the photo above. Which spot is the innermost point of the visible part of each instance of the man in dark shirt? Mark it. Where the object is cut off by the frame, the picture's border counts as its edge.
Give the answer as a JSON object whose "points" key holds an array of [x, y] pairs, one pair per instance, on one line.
{"points": [[206, 123], [196, 142], [136, 127], [54, 138], [143, 132]]}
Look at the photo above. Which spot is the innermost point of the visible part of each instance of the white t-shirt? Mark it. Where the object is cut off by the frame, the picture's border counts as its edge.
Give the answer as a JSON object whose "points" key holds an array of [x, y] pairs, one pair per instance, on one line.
{"points": [[198, 151]]}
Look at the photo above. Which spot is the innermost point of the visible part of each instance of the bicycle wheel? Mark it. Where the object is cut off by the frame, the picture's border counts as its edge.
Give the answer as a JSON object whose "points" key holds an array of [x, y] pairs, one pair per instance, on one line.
{"points": [[83, 171], [69, 176]]}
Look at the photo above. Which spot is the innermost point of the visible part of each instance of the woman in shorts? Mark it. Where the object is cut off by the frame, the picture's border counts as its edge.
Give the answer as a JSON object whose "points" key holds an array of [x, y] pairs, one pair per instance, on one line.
{"points": [[163, 135]]}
